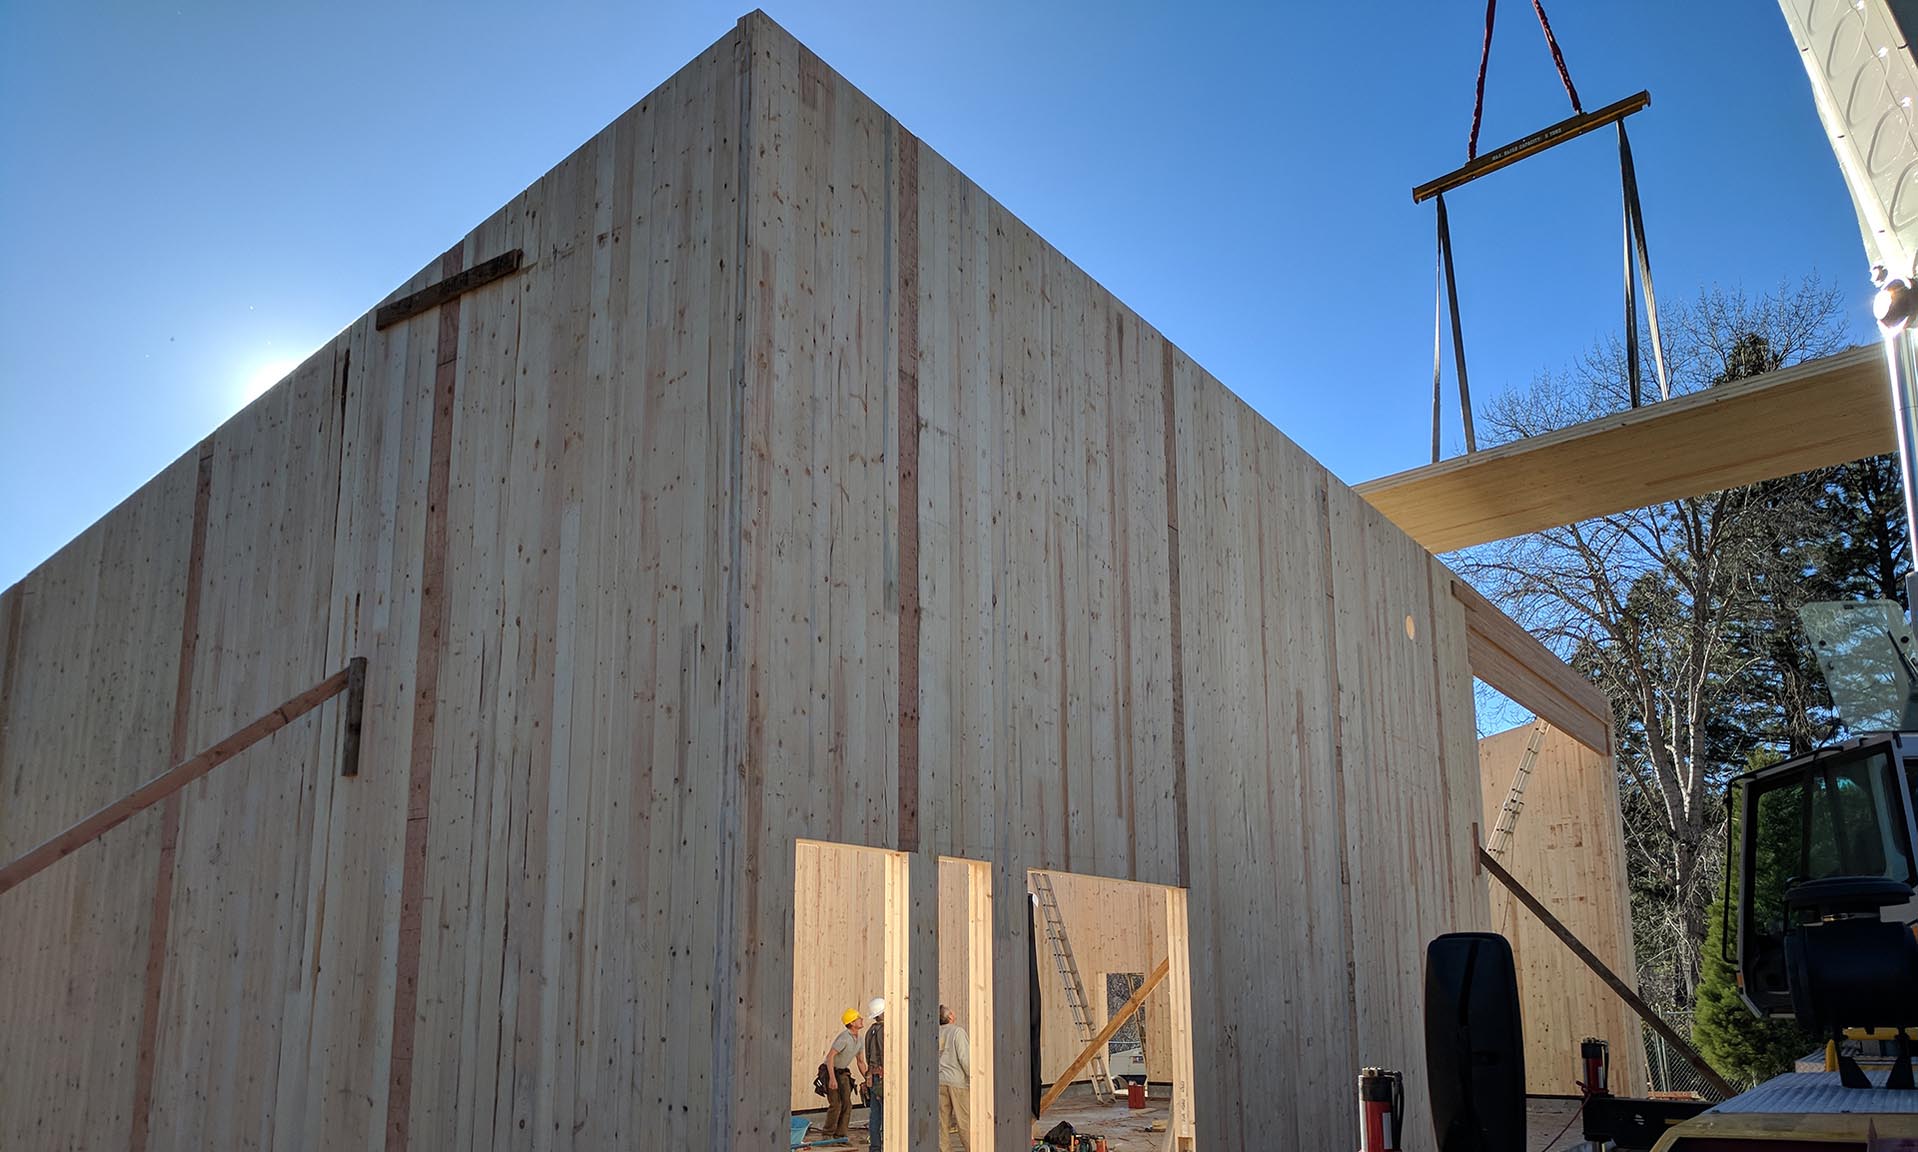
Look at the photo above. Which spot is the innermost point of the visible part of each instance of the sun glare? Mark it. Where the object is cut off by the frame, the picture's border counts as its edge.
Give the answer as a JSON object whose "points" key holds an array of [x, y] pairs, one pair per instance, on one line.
{"points": [[265, 375]]}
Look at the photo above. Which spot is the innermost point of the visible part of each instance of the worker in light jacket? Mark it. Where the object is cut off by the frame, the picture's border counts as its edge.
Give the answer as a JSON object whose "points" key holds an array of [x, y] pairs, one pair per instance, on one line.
{"points": [[876, 1073], [955, 1084]]}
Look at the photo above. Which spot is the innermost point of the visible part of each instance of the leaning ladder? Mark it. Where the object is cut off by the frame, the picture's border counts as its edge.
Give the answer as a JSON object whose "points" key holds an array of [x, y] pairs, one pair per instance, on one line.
{"points": [[1515, 796], [1055, 929]]}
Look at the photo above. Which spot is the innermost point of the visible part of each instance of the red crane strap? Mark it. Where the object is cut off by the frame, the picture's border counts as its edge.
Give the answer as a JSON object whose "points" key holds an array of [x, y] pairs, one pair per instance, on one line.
{"points": [[1485, 56]]}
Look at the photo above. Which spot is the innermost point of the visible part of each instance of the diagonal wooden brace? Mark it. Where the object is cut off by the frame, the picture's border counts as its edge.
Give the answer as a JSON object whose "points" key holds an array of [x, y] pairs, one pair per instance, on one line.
{"points": [[1104, 1034], [186, 772], [1624, 990]]}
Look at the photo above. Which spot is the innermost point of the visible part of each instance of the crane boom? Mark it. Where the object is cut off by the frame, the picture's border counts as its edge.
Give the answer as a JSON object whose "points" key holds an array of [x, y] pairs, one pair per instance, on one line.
{"points": [[1864, 81]]}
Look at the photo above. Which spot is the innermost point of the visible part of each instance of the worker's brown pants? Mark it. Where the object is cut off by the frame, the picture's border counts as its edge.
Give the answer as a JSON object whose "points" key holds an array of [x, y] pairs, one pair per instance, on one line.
{"points": [[839, 1103], [955, 1117]]}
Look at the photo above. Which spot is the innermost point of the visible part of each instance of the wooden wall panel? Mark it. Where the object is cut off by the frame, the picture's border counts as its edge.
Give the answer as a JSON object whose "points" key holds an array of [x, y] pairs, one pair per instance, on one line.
{"points": [[1259, 684], [577, 842], [336, 1058], [1078, 707], [245, 831], [1568, 849], [89, 653], [1406, 803], [476, 802], [819, 551]]}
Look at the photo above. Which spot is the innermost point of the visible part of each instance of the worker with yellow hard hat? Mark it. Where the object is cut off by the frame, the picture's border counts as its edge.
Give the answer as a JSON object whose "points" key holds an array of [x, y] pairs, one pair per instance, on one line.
{"points": [[842, 1056]]}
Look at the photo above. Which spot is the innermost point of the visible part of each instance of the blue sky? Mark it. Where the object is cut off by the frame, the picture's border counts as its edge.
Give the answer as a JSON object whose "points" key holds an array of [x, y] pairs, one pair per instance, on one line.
{"points": [[198, 194]]}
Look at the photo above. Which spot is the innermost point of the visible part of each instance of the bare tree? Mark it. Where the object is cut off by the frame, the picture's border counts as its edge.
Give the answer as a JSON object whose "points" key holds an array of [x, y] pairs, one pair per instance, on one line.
{"points": [[1654, 603]]}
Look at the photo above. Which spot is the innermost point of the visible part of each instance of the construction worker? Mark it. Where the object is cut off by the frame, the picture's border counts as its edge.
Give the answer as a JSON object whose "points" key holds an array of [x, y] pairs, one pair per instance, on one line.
{"points": [[955, 1084], [841, 1056], [876, 1073]]}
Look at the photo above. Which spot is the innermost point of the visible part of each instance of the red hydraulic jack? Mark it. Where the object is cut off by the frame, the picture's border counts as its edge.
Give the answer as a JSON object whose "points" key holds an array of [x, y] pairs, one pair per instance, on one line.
{"points": [[1622, 1121], [1596, 1055], [1381, 1110]]}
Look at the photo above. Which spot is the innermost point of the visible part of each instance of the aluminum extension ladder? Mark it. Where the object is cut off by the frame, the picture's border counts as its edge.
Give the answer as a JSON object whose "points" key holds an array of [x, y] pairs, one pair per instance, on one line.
{"points": [[1075, 992], [1515, 796]]}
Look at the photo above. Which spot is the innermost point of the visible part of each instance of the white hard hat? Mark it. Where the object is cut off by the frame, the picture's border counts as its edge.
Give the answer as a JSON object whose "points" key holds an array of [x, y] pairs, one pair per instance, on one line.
{"points": [[877, 1006]]}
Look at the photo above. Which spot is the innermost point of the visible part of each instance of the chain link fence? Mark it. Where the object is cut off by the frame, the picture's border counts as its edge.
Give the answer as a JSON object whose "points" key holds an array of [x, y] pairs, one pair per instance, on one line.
{"points": [[1670, 1072], [1125, 1051]]}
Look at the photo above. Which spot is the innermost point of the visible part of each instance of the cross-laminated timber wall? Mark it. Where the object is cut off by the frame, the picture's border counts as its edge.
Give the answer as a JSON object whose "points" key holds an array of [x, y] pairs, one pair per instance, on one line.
{"points": [[1568, 849], [793, 489]]}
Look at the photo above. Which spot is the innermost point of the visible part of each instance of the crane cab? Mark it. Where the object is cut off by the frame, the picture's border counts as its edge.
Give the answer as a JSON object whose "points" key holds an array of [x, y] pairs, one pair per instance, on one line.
{"points": [[1812, 835]]}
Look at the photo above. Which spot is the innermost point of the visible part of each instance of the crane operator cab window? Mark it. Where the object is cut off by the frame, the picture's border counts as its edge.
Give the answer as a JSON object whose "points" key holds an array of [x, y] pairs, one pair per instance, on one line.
{"points": [[1844, 811], [1829, 836]]}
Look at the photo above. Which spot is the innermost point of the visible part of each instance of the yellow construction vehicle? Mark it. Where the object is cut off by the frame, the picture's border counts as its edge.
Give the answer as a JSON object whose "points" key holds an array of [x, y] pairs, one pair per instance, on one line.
{"points": [[1821, 878]]}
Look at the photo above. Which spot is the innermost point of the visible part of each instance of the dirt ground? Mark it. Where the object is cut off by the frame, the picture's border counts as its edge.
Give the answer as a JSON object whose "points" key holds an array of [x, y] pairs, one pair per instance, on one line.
{"points": [[1128, 1131], [1546, 1116], [1125, 1130]]}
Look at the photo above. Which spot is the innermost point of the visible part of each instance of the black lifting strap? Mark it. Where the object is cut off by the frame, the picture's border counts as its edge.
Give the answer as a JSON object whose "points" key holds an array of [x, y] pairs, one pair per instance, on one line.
{"points": [[1448, 284], [1637, 252], [1447, 295]]}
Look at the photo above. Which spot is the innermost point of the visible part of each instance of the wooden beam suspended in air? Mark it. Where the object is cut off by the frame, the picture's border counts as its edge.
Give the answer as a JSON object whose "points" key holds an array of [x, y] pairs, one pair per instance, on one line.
{"points": [[1811, 415]]}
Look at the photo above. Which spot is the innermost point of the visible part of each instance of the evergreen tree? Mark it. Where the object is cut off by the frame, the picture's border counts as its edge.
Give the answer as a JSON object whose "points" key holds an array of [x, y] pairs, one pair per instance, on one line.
{"points": [[1740, 1045]]}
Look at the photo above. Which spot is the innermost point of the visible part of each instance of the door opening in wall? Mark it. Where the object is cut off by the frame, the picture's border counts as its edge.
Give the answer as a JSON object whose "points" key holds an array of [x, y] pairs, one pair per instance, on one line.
{"points": [[849, 918], [967, 1084], [1114, 1010], [853, 928]]}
